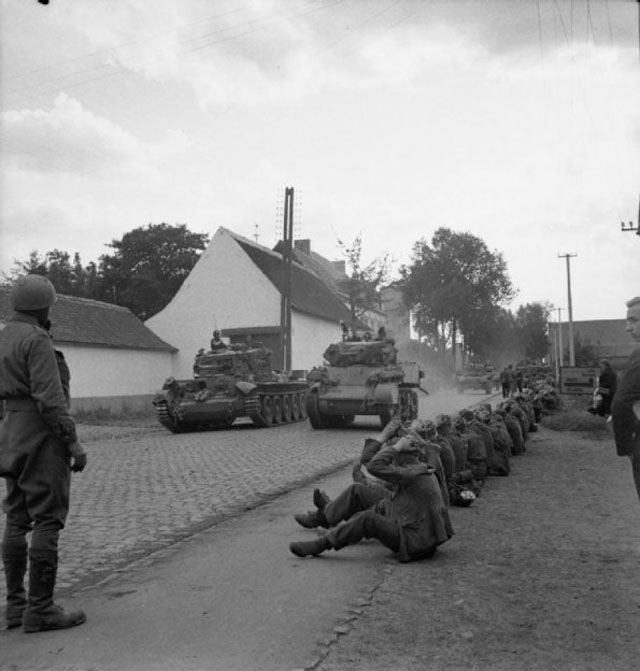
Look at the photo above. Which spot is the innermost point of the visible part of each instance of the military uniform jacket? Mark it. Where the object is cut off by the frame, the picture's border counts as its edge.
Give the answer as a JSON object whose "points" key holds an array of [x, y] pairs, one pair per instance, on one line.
{"points": [[626, 426], [416, 506], [29, 372]]}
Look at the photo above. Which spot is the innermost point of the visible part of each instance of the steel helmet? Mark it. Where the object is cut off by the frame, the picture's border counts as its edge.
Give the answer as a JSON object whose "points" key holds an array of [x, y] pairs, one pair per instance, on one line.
{"points": [[32, 292]]}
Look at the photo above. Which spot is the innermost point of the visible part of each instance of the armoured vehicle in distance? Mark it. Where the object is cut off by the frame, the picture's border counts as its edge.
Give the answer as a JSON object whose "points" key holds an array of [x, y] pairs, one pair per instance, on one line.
{"points": [[477, 376], [362, 378], [231, 382]]}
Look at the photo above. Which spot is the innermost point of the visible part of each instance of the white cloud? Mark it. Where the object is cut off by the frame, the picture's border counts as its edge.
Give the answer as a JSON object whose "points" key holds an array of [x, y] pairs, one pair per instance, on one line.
{"points": [[71, 139]]}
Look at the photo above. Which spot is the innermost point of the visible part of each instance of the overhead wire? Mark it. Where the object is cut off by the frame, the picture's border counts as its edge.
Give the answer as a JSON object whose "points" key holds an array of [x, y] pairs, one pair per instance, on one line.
{"points": [[31, 92]]}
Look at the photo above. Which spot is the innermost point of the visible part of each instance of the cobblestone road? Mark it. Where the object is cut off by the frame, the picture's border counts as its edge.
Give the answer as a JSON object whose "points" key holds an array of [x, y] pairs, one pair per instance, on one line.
{"points": [[146, 488]]}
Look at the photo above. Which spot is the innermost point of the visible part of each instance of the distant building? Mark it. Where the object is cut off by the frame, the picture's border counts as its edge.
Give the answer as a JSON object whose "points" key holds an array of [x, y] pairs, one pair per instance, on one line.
{"points": [[607, 337], [116, 362], [235, 287]]}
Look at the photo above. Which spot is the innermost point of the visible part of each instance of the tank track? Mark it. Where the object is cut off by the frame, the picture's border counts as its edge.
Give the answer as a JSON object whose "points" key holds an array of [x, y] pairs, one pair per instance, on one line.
{"points": [[267, 409], [166, 419]]}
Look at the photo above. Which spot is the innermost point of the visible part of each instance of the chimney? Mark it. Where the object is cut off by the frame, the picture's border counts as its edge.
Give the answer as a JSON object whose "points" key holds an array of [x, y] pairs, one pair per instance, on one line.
{"points": [[303, 246], [340, 266]]}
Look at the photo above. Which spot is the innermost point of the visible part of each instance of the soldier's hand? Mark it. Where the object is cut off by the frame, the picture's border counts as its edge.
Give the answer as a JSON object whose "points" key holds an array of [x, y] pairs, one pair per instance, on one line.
{"points": [[78, 457], [391, 429]]}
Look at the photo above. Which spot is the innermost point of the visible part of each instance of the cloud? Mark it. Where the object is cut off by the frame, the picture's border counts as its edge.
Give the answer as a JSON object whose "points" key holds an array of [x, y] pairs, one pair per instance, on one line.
{"points": [[68, 138]]}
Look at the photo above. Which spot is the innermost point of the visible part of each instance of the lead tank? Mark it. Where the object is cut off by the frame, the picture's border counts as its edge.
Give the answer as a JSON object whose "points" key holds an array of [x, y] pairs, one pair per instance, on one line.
{"points": [[362, 378], [231, 382]]}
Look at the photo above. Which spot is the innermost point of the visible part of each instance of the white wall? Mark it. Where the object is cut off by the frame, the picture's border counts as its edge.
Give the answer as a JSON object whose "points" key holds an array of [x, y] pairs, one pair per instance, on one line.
{"points": [[100, 372], [224, 290], [310, 338]]}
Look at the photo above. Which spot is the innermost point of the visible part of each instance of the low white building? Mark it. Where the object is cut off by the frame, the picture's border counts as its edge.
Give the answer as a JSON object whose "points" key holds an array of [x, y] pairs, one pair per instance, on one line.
{"points": [[116, 362], [236, 287]]}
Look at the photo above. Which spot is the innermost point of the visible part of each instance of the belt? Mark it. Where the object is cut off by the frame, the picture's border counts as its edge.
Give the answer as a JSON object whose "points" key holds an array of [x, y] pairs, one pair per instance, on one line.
{"points": [[20, 405]]}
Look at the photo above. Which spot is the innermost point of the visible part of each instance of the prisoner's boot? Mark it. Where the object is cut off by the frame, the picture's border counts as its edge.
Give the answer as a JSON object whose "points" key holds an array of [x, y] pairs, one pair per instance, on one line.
{"points": [[320, 499], [41, 613], [312, 519], [15, 567], [313, 548]]}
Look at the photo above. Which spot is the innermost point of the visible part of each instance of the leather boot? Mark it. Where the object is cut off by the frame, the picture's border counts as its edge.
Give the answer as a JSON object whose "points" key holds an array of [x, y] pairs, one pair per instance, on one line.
{"points": [[320, 499], [314, 547], [15, 567], [312, 519], [41, 613]]}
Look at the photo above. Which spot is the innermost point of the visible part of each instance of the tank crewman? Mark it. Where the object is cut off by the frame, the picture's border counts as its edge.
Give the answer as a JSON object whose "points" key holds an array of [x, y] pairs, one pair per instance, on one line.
{"points": [[413, 521], [38, 450], [217, 342]]}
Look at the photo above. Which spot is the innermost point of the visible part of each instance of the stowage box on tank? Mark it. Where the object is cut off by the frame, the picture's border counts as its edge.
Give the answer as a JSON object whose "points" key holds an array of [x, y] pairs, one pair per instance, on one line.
{"points": [[362, 378], [235, 381]]}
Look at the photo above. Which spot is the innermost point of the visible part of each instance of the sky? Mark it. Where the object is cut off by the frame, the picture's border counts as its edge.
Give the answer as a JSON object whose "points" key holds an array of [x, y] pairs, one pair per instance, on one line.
{"points": [[515, 120]]}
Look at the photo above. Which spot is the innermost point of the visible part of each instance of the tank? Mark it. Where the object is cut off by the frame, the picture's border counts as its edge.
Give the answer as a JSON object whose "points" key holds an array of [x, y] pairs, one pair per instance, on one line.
{"points": [[231, 382], [361, 378], [477, 375]]}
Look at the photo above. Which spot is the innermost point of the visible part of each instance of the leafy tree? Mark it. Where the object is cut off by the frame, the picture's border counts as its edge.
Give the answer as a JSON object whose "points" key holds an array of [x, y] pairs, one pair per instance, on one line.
{"points": [[531, 329], [362, 286], [149, 265], [144, 273], [68, 278], [452, 285]]}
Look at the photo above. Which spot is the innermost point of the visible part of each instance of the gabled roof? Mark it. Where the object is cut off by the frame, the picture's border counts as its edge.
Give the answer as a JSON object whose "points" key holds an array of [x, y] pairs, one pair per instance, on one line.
{"points": [[326, 270], [309, 294], [80, 321]]}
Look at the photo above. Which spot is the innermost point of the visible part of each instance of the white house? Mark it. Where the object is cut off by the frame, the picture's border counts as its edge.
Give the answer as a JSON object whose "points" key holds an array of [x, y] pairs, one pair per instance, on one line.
{"points": [[116, 362], [236, 287]]}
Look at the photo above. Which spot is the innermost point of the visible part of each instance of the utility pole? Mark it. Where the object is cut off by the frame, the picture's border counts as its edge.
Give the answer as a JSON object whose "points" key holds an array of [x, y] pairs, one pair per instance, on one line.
{"points": [[560, 356], [631, 227], [285, 302], [572, 357]]}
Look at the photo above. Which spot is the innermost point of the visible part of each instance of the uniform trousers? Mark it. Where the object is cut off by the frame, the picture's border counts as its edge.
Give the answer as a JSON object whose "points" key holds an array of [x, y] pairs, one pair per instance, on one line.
{"points": [[361, 508], [35, 466]]}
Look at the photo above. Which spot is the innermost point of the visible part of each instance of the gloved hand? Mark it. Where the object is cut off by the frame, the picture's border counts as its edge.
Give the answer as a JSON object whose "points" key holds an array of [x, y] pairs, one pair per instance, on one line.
{"points": [[78, 457]]}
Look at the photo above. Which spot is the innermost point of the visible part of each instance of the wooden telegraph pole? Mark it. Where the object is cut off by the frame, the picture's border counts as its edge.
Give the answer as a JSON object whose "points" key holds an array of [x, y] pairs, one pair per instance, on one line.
{"points": [[285, 302], [572, 357]]}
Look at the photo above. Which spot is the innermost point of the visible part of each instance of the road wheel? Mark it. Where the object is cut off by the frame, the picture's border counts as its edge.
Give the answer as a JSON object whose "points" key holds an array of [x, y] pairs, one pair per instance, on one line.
{"points": [[295, 407], [286, 409], [277, 410], [267, 410], [303, 405], [311, 405]]}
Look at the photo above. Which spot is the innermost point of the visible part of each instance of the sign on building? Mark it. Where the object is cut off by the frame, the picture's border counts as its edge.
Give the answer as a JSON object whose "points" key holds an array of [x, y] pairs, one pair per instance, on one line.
{"points": [[578, 380]]}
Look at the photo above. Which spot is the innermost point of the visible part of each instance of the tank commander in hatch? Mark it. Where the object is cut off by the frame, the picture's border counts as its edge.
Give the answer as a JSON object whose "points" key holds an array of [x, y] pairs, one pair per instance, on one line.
{"points": [[217, 342]]}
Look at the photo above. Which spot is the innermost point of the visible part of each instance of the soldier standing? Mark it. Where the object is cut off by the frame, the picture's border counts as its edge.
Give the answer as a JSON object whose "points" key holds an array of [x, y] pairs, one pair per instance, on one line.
{"points": [[38, 450], [626, 423]]}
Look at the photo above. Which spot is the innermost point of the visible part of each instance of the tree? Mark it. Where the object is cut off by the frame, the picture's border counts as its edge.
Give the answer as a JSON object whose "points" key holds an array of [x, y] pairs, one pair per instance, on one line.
{"points": [[452, 285], [149, 265], [362, 286], [68, 278], [145, 272], [531, 328]]}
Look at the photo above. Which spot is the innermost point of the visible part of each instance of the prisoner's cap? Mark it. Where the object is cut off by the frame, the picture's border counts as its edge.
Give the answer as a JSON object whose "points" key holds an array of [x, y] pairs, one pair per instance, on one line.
{"points": [[459, 424], [429, 428], [467, 413], [442, 420]]}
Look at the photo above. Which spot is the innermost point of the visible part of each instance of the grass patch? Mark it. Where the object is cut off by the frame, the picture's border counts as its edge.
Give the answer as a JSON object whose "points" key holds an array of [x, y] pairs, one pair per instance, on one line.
{"points": [[573, 416], [101, 416]]}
